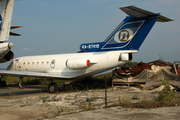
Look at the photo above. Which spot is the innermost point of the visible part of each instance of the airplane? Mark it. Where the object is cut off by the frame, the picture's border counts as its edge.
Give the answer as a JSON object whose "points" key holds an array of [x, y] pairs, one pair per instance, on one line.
{"points": [[93, 58], [6, 11]]}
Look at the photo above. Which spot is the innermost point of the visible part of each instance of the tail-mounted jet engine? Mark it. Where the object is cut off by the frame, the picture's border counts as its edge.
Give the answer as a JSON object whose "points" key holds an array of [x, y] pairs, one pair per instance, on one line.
{"points": [[125, 57], [5, 52], [77, 63], [5, 48]]}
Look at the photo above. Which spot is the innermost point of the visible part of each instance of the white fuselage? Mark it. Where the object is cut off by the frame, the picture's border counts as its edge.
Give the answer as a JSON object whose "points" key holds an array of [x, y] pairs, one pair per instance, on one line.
{"points": [[58, 64]]}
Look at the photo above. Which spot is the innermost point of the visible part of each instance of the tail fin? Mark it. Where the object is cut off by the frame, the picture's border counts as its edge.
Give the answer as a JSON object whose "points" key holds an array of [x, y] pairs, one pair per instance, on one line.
{"points": [[130, 33], [6, 11]]}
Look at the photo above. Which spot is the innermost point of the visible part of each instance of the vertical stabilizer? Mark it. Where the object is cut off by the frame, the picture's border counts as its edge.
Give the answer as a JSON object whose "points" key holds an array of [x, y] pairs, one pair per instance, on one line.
{"points": [[130, 33], [6, 11]]}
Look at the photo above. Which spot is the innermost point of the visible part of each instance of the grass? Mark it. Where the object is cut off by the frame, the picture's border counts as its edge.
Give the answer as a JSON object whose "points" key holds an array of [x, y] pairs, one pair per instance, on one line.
{"points": [[146, 103], [87, 83], [10, 79], [30, 80]]}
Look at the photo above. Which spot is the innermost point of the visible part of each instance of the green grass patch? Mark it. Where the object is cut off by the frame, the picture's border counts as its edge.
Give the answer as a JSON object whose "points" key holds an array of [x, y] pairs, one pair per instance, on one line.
{"points": [[30, 80]]}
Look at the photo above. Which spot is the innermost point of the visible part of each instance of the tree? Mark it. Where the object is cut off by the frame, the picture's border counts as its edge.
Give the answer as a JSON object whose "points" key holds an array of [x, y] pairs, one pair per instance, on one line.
{"points": [[130, 64]]}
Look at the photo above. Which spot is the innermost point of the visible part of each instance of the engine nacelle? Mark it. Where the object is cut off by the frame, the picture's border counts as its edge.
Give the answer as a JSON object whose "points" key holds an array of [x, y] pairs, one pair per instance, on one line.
{"points": [[125, 57], [9, 56], [77, 63], [5, 48]]}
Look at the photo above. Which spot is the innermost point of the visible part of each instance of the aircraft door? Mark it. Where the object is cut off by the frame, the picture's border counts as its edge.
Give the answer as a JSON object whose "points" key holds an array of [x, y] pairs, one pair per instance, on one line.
{"points": [[16, 65], [52, 64]]}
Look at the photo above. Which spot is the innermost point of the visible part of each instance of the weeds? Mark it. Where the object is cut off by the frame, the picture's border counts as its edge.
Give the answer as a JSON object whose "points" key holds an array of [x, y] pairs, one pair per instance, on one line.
{"points": [[89, 107], [44, 99], [124, 101], [167, 95], [10, 94], [58, 110], [167, 98]]}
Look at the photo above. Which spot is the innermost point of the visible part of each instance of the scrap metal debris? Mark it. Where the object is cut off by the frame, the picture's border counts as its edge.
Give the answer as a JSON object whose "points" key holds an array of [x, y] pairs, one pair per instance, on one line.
{"points": [[149, 74]]}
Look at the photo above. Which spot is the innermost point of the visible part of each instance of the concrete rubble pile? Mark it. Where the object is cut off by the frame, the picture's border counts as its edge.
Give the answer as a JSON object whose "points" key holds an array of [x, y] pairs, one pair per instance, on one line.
{"points": [[149, 74]]}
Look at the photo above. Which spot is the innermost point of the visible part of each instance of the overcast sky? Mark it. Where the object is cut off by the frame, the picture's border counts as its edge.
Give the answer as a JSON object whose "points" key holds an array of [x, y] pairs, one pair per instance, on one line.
{"points": [[60, 26]]}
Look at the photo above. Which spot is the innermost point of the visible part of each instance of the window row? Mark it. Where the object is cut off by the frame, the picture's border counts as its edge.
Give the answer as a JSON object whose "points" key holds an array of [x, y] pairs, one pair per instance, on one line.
{"points": [[32, 63]]}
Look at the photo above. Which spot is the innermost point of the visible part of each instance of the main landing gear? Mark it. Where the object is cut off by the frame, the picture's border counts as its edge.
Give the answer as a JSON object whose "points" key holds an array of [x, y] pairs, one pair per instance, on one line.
{"points": [[21, 86], [2, 83], [52, 88]]}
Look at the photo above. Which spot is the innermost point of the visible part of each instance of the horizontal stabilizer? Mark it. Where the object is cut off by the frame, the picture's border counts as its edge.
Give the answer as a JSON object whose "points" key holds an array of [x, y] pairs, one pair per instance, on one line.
{"points": [[136, 12], [15, 34], [14, 27]]}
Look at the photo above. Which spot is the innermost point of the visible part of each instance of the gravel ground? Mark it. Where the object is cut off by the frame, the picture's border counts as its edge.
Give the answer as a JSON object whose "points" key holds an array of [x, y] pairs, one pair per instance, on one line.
{"points": [[74, 106], [119, 113]]}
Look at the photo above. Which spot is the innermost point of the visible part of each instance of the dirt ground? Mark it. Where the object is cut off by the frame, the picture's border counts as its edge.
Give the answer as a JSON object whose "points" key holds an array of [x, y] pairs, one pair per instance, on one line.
{"points": [[119, 113], [74, 105]]}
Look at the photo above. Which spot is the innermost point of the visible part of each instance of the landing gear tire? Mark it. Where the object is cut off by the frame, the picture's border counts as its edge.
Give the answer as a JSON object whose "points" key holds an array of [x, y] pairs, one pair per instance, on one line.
{"points": [[53, 87], [2, 83]]}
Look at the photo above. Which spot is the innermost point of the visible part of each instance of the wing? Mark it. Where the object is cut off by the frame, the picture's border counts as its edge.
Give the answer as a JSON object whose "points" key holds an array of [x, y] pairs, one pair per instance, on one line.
{"points": [[32, 74]]}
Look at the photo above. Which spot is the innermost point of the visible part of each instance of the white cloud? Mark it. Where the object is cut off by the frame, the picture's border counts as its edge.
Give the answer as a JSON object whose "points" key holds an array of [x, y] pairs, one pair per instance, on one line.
{"points": [[55, 48], [26, 49]]}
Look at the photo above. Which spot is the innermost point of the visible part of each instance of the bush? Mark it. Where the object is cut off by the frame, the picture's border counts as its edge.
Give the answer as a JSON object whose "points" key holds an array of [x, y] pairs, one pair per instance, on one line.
{"points": [[167, 95]]}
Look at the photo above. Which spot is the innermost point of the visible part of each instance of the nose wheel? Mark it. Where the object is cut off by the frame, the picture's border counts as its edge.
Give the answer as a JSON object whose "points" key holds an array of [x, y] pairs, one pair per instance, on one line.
{"points": [[53, 87]]}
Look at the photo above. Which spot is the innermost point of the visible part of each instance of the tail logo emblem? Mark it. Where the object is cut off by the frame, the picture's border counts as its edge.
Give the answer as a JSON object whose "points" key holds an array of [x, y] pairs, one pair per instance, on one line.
{"points": [[123, 35]]}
